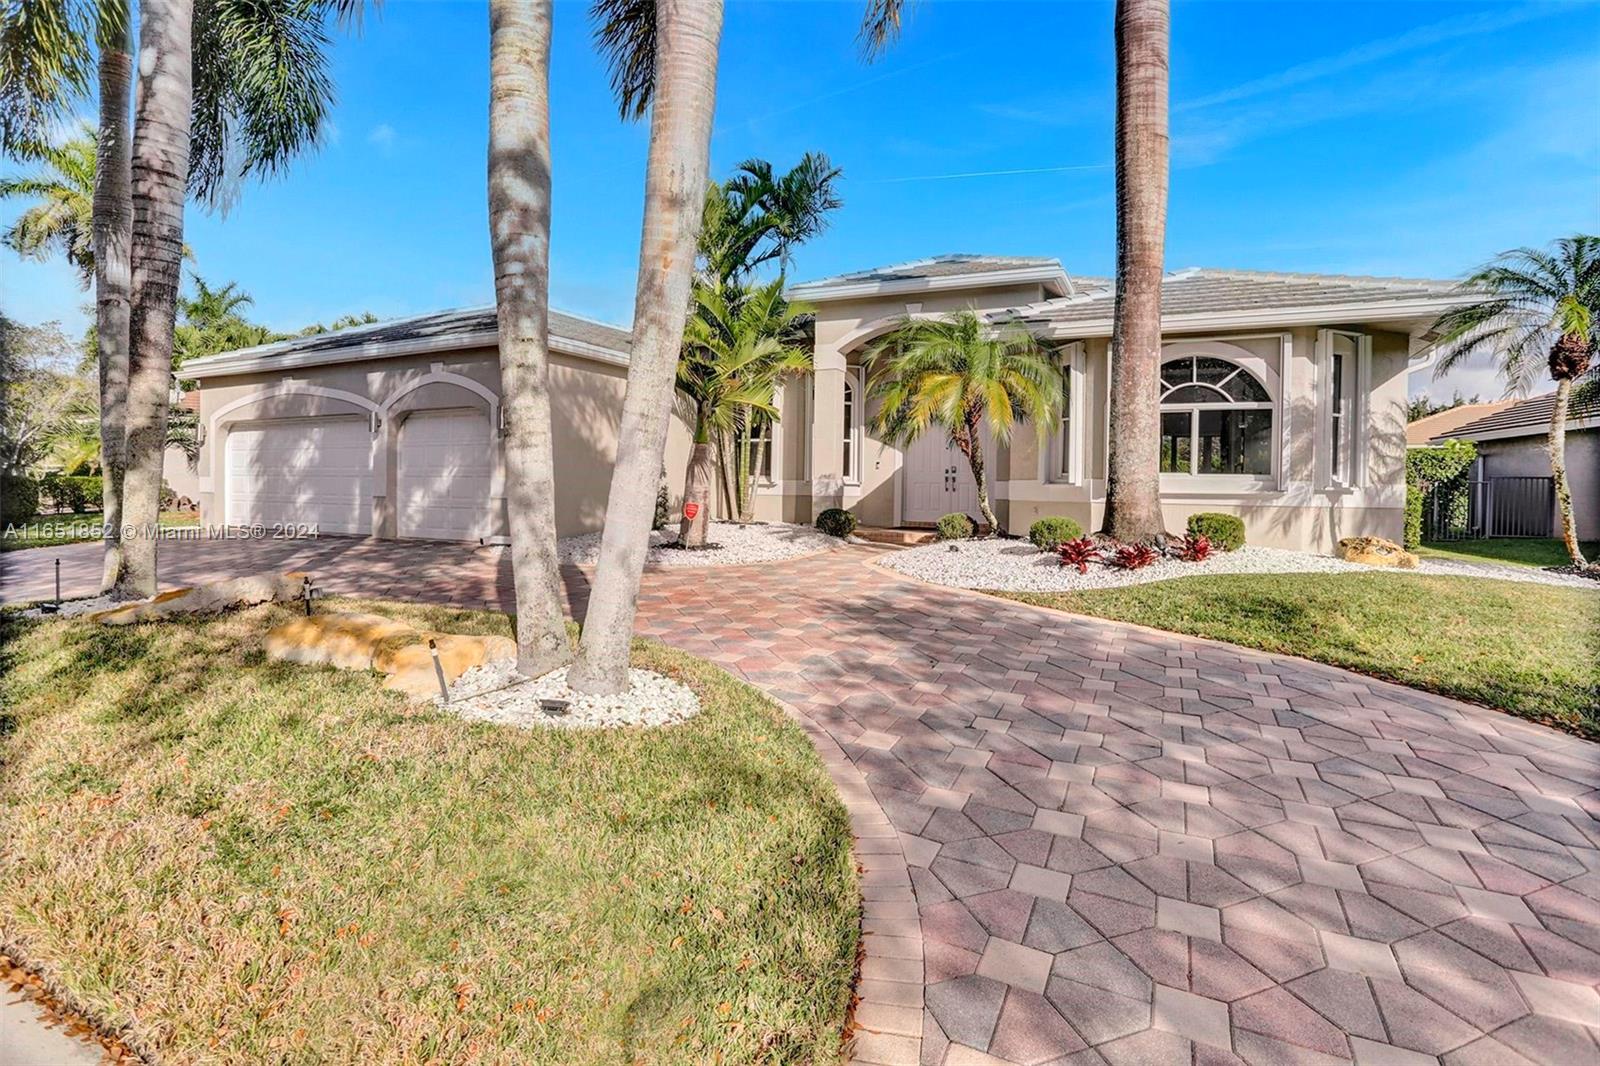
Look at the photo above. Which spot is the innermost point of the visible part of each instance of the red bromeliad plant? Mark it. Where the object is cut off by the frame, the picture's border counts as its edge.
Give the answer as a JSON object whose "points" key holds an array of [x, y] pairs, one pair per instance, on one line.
{"points": [[1196, 548], [1135, 556], [1078, 553]]}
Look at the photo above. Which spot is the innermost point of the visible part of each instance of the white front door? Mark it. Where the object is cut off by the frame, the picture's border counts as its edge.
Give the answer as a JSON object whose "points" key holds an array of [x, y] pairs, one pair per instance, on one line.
{"points": [[937, 480], [311, 472], [443, 468]]}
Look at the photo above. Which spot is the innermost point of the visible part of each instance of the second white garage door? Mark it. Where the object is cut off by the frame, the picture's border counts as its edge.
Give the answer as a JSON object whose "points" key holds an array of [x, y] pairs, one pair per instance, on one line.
{"points": [[445, 464], [313, 472]]}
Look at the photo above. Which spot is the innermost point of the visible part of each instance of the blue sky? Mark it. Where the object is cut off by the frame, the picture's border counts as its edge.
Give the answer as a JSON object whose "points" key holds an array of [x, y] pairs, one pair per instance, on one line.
{"points": [[1386, 138]]}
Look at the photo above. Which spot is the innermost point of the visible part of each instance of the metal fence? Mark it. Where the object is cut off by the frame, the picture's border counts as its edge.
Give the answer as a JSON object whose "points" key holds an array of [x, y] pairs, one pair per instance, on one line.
{"points": [[1493, 507]]}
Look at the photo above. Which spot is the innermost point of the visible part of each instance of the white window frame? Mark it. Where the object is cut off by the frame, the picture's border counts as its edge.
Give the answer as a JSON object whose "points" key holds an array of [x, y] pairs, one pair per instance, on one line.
{"points": [[1245, 361], [854, 406], [1347, 435], [766, 480], [1063, 463]]}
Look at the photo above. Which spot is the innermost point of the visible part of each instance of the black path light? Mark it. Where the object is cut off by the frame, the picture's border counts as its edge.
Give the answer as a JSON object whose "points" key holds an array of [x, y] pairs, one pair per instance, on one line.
{"points": [[438, 670], [52, 608]]}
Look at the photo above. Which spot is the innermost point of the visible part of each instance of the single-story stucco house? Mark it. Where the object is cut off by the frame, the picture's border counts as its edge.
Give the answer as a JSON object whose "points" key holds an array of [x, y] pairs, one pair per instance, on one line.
{"points": [[1284, 401], [1513, 446]]}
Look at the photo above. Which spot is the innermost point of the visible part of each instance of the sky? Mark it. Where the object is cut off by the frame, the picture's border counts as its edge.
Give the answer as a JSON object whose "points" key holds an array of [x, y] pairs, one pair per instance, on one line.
{"points": [[1390, 138]]}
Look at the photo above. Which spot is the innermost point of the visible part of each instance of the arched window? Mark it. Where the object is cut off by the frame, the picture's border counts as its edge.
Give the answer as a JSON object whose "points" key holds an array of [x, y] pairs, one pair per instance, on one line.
{"points": [[1216, 418]]}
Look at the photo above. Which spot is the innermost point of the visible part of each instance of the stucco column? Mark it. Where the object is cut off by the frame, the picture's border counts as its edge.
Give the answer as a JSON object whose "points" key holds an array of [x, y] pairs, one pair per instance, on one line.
{"points": [[827, 430]]}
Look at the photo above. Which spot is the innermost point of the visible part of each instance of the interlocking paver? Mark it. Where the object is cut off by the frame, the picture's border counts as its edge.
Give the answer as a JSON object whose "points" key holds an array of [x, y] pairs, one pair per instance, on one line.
{"points": [[1063, 758]]}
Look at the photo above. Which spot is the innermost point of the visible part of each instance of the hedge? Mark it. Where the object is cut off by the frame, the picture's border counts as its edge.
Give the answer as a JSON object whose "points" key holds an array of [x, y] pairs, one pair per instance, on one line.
{"points": [[75, 494], [1440, 472], [19, 498], [956, 526], [1225, 531], [1049, 533], [837, 522]]}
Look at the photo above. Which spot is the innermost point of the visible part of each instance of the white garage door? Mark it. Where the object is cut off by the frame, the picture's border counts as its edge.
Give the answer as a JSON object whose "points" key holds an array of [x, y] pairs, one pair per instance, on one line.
{"points": [[315, 472], [442, 473]]}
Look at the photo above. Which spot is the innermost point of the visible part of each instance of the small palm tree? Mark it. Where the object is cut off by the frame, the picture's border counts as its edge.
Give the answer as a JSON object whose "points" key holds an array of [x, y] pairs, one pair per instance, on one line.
{"points": [[62, 219], [955, 373], [1539, 312], [737, 346]]}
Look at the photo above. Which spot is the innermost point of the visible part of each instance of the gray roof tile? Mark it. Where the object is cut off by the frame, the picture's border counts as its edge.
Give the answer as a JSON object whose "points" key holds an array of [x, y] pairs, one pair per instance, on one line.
{"points": [[1532, 414], [939, 266]]}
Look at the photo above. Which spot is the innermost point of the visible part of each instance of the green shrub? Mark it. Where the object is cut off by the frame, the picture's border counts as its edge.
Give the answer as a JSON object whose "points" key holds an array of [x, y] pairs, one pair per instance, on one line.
{"points": [[1440, 473], [1225, 531], [72, 493], [19, 498], [1049, 533], [837, 522], [956, 526]]}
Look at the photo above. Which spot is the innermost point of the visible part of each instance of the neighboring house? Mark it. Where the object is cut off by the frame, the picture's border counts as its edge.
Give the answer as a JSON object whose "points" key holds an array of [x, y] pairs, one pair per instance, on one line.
{"points": [[1513, 443], [1420, 433], [1284, 401]]}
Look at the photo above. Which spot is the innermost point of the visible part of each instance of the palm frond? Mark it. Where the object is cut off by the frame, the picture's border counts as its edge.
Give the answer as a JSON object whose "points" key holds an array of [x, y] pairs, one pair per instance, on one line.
{"points": [[880, 27], [625, 33]]}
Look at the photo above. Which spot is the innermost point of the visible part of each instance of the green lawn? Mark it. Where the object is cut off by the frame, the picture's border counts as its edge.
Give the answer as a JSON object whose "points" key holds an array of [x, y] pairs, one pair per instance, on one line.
{"points": [[1532, 650], [248, 861], [50, 531], [1521, 551]]}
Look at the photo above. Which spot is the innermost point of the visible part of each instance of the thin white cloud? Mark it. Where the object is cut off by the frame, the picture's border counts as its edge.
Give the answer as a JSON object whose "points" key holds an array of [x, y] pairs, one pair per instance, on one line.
{"points": [[1422, 37], [382, 136]]}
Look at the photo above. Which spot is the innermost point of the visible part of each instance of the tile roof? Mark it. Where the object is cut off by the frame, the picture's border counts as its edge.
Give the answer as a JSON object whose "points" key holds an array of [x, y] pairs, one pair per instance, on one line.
{"points": [[1527, 417], [442, 325], [939, 266], [1201, 290], [1428, 427]]}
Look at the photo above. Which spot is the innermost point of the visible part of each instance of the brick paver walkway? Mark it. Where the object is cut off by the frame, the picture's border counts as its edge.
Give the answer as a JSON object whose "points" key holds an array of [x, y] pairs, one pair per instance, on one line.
{"points": [[1131, 847]]}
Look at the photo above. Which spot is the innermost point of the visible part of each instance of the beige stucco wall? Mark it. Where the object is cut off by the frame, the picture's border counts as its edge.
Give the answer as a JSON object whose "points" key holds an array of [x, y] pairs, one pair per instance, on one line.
{"points": [[585, 412], [182, 478], [1529, 457]]}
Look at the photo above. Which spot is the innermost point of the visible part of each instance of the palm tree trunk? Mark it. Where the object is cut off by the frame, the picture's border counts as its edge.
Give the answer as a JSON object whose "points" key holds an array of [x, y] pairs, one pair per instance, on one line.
{"points": [[696, 488], [753, 474], [974, 451], [1133, 488], [676, 174], [160, 174], [1558, 470], [113, 225], [519, 231]]}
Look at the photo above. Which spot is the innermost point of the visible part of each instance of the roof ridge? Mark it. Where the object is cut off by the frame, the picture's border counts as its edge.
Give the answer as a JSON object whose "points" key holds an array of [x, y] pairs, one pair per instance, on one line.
{"points": [[932, 260]]}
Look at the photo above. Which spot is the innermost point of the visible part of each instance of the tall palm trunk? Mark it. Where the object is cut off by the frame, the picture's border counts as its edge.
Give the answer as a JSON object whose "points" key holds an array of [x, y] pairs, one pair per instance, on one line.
{"points": [[696, 515], [519, 230], [160, 174], [113, 226], [1558, 470], [676, 176], [1133, 489]]}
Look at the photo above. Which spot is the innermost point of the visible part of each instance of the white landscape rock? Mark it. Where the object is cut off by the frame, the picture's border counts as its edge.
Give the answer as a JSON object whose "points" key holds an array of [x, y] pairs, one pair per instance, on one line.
{"points": [[1016, 566], [495, 692], [736, 545]]}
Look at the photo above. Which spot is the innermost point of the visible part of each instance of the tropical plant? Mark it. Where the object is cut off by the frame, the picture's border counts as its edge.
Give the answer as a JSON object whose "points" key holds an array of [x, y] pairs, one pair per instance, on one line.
{"points": [[681, 40], [1143, 39], [43, 397], [1538, 311], [62, 220], [965, 378], [738, 345], [1079, 553], [519, 237], [1438, 474], [1135, 556], [1196, 548]]}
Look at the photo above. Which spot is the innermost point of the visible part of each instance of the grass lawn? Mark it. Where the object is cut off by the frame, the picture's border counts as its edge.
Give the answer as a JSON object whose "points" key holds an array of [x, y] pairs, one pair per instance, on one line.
{"points": [[1532, 650], [248, 861], [1521, 551], [48, 531]]}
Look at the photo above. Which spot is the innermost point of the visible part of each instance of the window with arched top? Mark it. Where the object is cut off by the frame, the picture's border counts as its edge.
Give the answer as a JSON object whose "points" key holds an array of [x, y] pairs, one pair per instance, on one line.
{"points": [[1216, 418]]}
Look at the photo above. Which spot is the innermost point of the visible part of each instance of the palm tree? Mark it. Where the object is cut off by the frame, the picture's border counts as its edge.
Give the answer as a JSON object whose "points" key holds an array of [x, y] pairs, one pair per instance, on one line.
{"points": [[684, 38], [956, 374], [519, 231], [737, 346], [62, 222], [1133, 487], [1538, 311]]}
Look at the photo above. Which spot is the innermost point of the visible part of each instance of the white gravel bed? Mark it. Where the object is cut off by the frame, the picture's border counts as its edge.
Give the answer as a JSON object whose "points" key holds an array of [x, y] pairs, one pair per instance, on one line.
{"points": [[75, 608], [495, 692], [736, 545], [1016, 566]]}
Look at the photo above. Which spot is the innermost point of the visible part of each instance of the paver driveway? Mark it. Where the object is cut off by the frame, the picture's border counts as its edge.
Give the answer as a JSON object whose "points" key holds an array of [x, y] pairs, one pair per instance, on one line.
{"points": [[1125, 846]]}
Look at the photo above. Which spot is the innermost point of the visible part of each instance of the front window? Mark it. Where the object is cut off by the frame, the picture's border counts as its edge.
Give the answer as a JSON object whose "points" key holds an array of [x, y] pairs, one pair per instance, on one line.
{"points": [[1064, 431], [761, 447], [851, 431], [1216, 418], [1342, 354]]}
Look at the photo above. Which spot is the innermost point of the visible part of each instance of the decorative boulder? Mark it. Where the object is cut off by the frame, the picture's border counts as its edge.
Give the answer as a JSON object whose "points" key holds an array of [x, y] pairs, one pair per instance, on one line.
{"points": [[353, 641], [215, 598], [1375, 551]]}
